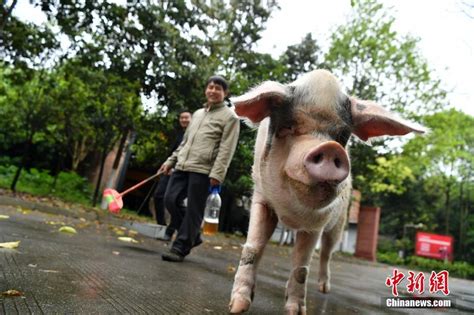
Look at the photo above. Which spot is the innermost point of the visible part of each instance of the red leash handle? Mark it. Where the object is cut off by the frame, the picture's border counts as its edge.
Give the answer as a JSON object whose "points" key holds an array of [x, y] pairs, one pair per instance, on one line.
{"points": [[140, 183]]}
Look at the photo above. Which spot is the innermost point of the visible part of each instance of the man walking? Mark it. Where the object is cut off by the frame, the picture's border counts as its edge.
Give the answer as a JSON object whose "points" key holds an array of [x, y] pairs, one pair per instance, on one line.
{"points": [[200, 161]]}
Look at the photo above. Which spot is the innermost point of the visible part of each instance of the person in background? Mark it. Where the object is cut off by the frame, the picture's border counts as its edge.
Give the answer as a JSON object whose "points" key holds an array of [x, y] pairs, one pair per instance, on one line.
{"points": [[159, 195], [201, 161]]}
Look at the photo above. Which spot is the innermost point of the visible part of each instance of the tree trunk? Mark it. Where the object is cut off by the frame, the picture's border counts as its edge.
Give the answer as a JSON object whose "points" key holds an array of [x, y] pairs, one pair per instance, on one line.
{"points": [[79, 152], [24, 160], [97, 187], [16, 177], [461, 219], [447, 207], [6, 15], [57, 171], [115, 166]]}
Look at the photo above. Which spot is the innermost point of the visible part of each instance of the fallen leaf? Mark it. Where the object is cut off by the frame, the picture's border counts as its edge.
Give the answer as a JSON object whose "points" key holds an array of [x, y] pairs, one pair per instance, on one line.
{"points": [[118, 231], [12, 293], [132, 233], [56, 223], [230, 268], [67, 229], [4, 217], [10, 245], [82, 225], [49, 271], [127, 239], [116, 253], [218, 247]]}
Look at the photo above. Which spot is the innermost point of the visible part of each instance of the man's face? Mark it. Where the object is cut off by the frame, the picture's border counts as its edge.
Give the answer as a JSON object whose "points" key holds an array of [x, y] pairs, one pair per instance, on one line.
{"points": [[215, 93], [184, 119]]}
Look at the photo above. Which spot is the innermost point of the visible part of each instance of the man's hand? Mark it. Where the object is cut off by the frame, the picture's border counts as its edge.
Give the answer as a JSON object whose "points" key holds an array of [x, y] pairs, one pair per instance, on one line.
{"points": [[214, 182], [165, 169]]}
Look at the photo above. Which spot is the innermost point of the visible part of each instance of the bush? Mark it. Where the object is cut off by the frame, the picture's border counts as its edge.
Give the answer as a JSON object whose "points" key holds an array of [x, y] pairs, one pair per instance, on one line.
{"points": [[389, 258], [386, 245], [72, 187], [459, 269], [68, 186]]}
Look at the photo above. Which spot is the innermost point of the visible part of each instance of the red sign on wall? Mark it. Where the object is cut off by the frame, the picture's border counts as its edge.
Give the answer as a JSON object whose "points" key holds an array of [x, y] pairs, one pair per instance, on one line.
{"points": [[434, 246]]}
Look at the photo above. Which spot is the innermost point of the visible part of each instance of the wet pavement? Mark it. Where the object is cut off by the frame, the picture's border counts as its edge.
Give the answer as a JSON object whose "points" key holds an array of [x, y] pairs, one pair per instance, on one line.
{"points": [[93, 272]]}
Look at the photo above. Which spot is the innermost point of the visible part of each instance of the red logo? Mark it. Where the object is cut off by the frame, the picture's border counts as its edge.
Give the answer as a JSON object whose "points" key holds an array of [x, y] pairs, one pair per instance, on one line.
{"points": [[438, 282], [416, 282], [394, 281]]}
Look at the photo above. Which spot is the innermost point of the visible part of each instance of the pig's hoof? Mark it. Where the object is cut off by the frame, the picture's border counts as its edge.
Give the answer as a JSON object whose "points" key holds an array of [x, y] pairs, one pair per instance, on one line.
{"points": [[239, 305], [324, 286], [295, 309]]}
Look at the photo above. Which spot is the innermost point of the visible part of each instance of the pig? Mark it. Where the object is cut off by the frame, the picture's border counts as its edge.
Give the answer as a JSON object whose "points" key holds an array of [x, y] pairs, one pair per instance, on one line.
{"points": [[301, 173]]}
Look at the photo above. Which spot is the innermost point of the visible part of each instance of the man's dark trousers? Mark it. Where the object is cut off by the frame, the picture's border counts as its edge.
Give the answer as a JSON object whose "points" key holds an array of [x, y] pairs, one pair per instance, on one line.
{"points": [[196, 187], [159, 197]]}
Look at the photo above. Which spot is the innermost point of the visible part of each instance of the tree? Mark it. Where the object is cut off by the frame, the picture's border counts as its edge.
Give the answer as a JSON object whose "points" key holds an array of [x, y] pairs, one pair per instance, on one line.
{"points": [[377, 63], [24, 44], [445, 154], [27, 104], [301, 58]]}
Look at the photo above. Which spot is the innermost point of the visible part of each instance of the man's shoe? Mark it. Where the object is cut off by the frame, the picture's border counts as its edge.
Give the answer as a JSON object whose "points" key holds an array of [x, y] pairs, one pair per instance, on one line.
{"points": [[173, 256]]}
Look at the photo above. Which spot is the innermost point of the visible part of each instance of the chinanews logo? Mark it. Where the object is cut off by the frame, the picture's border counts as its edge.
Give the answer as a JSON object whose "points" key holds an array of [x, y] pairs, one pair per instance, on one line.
{"points": [[437, 286]]}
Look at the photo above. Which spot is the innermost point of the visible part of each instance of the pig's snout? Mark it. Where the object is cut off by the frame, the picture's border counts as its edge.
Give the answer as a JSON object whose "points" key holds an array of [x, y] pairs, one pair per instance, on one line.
{"points": [[328, 162]]}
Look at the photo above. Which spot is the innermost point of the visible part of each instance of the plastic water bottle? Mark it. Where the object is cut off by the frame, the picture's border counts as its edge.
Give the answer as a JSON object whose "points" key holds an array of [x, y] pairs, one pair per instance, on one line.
{"points": [[211, 212]]}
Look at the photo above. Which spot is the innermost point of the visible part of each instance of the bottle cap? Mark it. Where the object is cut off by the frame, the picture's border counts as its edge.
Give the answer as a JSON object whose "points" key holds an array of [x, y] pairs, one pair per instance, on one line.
{"points": [[215, 189]]}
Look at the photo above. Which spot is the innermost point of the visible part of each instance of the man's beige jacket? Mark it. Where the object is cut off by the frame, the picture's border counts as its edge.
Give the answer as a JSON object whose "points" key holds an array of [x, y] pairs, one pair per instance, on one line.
{"points": [[208, 143]]}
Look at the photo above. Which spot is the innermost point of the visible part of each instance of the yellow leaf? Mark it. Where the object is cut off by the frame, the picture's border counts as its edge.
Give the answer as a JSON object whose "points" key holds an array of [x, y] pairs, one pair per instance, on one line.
{"points": [[132, 233], [12, 293], [4, 217], [10, 245], [231, 268], [49, 271], [67, 229], [127, 239]]}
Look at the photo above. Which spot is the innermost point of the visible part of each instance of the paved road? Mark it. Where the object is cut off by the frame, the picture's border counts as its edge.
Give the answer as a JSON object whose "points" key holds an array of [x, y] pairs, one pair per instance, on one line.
{"points": [[93, 272]]}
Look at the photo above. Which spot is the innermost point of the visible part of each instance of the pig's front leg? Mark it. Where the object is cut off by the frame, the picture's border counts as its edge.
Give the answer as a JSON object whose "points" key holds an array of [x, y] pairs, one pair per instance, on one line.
{"points": [[328, 242], [261, 226], [301, 259]]}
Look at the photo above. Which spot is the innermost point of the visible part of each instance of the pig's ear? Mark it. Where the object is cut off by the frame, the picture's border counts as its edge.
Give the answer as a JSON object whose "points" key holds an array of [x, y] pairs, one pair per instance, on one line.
{"points": [[372, 120], [256, 104]]}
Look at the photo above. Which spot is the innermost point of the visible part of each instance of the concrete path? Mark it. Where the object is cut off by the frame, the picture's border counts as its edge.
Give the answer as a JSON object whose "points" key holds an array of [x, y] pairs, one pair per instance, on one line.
{"points": [[93, 272]]}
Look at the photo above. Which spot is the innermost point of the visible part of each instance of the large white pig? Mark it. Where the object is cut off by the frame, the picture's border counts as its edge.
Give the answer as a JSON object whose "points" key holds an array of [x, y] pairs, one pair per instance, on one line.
{"points": [[301, 173]]}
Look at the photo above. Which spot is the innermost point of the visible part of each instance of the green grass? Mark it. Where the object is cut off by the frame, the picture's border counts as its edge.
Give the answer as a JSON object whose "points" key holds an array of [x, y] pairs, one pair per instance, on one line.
{"points": [[69, 186]]}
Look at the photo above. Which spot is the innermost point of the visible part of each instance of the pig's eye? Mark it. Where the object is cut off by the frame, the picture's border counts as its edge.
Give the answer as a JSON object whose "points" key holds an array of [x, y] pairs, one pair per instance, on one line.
{"points": [[285, 131], [343, 136]]}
